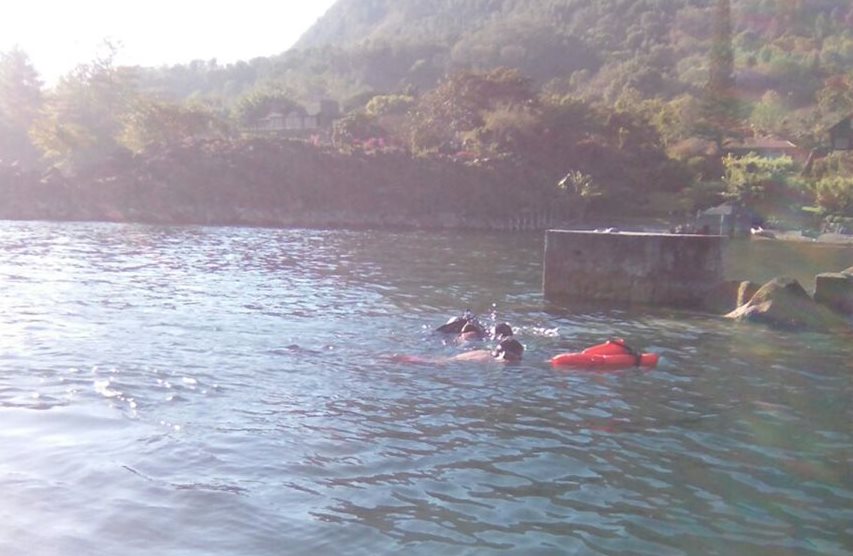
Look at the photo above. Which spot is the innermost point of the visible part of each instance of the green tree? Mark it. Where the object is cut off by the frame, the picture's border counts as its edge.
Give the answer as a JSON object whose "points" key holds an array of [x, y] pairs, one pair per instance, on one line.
{"points": [[836, 97], [20, 102], [769, 115], [833, 186], [82, 119], [383, 105], [149, 122], [750, 178], [581, 190], [721, 79], [259, 103], [834, 194], [355, 130], [506, 130], [391, 113], [720, 109], [458, 105]]}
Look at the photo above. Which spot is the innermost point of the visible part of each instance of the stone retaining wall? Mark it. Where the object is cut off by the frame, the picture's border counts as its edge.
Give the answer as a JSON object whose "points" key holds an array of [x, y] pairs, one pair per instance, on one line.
{"points": [[628, 267]]}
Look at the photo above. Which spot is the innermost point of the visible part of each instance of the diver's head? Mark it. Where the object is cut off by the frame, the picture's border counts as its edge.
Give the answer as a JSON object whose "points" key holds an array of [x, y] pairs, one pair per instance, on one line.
{"points": [[455, 324], [452, 326], [471, 330], [509, 349], [502, 331]]}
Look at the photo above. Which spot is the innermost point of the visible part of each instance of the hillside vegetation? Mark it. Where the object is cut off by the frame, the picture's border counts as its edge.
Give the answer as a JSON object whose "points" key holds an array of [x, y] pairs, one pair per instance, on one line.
{"points": [[610, 106], [800, 50]]}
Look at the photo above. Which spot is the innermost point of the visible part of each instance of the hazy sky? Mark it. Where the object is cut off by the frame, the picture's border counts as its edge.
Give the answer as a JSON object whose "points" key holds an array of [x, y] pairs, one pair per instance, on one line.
{"points": [[59, 34]]}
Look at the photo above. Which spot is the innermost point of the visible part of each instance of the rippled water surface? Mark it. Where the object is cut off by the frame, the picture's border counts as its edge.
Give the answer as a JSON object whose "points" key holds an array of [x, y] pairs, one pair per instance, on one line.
{"points": [[204, 391]]}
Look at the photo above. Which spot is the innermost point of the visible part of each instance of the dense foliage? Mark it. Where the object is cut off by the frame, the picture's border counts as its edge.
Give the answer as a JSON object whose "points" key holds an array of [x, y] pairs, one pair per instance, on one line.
{"points": [[611, 105]]}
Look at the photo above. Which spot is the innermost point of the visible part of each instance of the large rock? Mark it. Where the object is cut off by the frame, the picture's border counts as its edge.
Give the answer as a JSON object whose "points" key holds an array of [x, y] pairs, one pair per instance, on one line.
{"points": [[835, 290], [782, 302], [729, 295]]}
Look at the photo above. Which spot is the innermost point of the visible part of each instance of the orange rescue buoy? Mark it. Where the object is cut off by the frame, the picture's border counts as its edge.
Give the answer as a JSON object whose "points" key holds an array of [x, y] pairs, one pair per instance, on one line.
{"points": [[610, 356]]}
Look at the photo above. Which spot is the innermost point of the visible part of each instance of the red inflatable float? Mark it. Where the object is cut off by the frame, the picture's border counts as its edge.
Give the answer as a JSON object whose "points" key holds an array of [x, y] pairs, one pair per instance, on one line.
{"points": [[612, 355]]}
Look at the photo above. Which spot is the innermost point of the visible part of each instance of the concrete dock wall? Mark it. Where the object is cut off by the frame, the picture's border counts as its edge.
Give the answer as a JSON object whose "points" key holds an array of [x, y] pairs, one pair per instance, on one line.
{"points": [[628, 267]]}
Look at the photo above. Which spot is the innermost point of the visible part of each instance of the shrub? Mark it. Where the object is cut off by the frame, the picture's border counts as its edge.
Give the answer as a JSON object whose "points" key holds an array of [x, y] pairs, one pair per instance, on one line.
{"points": [[834, 194], [749, 178]]}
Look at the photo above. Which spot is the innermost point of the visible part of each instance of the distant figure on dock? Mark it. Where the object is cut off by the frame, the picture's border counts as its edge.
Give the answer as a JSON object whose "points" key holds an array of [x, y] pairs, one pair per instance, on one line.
{"points": [[758, 231]]}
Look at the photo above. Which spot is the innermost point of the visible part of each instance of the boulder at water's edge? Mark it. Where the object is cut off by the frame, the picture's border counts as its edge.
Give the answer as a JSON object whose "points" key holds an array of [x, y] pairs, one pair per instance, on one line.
{"points": [[782, 302], [729, 295]]}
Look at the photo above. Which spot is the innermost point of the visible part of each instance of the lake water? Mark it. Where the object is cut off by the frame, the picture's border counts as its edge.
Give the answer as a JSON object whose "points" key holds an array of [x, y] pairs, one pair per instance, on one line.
{"points": [[215, 391]]}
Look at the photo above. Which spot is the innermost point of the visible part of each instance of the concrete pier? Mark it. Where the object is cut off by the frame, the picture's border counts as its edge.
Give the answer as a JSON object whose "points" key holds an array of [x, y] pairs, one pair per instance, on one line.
{"points": [[835, 290], [630, 267]]}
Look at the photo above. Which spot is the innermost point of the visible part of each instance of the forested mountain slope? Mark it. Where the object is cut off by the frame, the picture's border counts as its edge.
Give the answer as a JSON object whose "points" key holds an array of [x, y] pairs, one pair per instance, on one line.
{"points": [[656, 46], [800, 51]]}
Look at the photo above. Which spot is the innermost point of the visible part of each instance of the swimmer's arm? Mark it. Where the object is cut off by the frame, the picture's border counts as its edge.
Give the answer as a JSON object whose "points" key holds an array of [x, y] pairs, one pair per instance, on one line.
{"points": [[479, 356], [476, 355]]}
